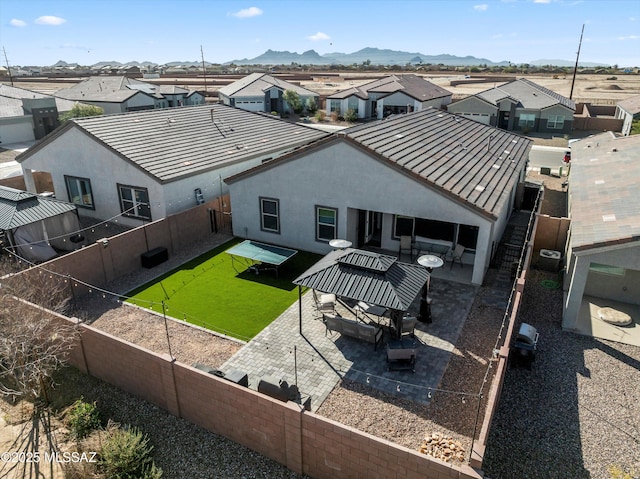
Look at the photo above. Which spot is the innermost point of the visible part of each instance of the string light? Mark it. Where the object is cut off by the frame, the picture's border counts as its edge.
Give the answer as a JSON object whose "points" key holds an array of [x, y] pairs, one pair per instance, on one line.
{"points": [[72, 233]]}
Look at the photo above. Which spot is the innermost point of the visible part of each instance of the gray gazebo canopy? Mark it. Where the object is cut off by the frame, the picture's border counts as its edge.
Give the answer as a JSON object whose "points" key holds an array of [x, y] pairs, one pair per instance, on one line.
{"points": [[374, 278]]}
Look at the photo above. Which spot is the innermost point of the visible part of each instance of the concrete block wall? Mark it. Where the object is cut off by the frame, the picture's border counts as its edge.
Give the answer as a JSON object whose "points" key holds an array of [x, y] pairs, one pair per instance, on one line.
{"points": [[100, 264], [302, 441], [551, 233]]}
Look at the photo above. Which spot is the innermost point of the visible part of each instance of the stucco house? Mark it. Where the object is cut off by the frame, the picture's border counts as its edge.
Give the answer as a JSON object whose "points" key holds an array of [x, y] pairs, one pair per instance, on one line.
{"points": [[27, 116], [519, 105], [119, 94], [603, 251], [150, 164], [389, 95], [262, 92], [628, 110], [438, 178]]}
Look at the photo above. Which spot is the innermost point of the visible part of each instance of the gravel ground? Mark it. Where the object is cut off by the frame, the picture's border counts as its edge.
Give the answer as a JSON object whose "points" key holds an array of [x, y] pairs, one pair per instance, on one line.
{"points": [[576, 413]]}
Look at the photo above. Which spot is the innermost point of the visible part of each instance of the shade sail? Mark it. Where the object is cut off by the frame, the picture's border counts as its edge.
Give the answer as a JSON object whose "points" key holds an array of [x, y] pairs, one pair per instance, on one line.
{"points": [[366, 276]]}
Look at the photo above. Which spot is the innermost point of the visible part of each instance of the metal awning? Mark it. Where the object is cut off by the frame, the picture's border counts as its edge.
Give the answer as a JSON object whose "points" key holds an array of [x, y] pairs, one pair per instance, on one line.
{"points": [[366, 276]]}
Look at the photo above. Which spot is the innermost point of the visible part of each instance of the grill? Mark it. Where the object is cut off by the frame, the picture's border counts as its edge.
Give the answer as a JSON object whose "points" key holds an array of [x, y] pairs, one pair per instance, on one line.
{"points": [[525, 345]]}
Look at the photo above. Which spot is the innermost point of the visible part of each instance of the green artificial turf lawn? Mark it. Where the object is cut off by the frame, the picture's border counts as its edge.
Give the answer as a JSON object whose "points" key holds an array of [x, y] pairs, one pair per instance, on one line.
{"points": [[209, 292]]}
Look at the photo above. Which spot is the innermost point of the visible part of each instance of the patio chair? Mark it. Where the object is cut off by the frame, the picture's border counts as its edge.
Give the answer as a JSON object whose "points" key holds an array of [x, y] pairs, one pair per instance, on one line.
{"points": [[408, 326], [406, 246], [325, 303], [456, 255]]}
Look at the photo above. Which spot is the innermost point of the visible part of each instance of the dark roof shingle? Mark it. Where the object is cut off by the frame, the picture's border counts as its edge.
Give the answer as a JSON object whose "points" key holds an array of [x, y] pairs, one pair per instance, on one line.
{"points": [[177, 142]]}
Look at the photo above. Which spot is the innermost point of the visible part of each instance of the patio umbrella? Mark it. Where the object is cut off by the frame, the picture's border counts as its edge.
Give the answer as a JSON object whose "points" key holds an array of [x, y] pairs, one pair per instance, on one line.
{"points": [[374, 278]]}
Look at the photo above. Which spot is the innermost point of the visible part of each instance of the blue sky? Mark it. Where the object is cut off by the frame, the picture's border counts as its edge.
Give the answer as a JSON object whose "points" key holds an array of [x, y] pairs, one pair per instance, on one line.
{"points": [[87, 31]]}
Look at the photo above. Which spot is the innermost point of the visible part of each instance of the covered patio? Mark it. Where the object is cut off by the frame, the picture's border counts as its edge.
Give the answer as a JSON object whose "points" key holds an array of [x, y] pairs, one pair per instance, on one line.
{"points": [[365, 280], [317, 360]]}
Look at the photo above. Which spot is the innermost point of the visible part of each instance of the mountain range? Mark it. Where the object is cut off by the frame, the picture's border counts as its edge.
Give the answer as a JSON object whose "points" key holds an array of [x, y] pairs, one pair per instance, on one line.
{"points": [[373, 56]]}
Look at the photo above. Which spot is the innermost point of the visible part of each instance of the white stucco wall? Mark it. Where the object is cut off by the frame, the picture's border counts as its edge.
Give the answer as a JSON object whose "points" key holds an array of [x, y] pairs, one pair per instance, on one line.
{"points": [[76, 154], [582, 281], [343, 177]]}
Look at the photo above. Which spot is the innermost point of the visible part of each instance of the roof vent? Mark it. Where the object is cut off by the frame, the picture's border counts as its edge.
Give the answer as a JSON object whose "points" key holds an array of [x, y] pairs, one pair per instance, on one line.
{"points": [[607, 218], [614, 149], [599, 182], [399, 135], [170, 120], [479, 188], [496, 166]]}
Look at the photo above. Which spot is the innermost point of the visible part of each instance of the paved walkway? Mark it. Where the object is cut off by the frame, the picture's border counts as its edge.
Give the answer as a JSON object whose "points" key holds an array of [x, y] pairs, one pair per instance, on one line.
{"points": [[316, 361]]}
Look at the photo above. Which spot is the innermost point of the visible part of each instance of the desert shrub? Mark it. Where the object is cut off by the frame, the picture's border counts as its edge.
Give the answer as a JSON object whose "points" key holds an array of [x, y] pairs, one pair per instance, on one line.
{"points": [[83, 418], [351, 116], [126, 454], [320, 115], [311, 105], [335, 116]]}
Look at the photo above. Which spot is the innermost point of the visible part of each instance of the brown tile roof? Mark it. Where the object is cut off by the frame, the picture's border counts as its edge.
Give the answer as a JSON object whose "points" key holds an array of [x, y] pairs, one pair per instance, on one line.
{"points": [[603, 188]]}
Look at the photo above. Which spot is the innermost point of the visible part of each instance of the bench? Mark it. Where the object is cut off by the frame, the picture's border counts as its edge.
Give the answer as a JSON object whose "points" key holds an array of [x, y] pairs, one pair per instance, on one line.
{"points": [[348, 327], [282, 391]]}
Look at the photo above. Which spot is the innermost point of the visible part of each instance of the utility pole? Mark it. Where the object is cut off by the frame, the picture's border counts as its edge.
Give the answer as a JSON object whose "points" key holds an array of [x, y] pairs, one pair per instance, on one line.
{"points": [[8, 67], [575, 69], [204, 70]]}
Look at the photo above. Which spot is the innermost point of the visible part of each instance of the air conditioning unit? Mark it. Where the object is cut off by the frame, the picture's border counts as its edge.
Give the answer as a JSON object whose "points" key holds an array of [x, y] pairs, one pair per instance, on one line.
{"points": [[549, 260]]}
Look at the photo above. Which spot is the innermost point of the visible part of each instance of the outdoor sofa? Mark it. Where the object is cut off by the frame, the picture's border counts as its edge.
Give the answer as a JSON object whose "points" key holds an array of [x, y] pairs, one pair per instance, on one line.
{"points": [[355, 329]]}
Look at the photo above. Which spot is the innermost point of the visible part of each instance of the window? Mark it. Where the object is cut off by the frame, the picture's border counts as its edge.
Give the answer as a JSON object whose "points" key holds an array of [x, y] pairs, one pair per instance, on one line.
{"points": [[606, 269], [326, 223], [403, 226], [353, 104], [555, 121], [270, 215], [440, 230], [79, 191], [527, 120], [468, 236], [334, 105], [134, 202]]}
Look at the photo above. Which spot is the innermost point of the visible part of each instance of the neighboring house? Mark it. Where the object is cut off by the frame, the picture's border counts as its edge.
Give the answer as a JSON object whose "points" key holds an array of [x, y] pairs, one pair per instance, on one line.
{"points": [[35, 225], [519, 105], [262, 92], [178, 96], [628, 110], [603, 251], [389, 95], [119, 94], [27, 116], [441, 179], [150, 164]]}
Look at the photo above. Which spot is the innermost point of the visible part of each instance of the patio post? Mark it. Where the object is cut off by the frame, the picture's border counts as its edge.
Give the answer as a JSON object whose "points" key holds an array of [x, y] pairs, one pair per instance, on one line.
{"points": [[300, 309]]}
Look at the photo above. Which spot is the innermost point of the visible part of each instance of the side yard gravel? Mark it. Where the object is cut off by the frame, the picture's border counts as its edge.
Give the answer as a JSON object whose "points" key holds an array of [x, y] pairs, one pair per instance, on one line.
{"points": [[576, 413]]}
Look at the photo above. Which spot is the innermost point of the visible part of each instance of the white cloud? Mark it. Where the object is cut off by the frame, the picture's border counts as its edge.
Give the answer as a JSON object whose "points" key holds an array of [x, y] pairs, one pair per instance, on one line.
{"points": [[481, 8], [247, 12], [629, 37], [17, 23], [319, 36], [50, 20], [632, 19], [541, 1]]}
